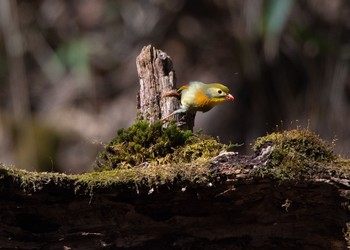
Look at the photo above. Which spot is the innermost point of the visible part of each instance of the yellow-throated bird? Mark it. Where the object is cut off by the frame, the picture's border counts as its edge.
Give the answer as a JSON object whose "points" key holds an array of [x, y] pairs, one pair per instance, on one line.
{"points": [[198, 96]]}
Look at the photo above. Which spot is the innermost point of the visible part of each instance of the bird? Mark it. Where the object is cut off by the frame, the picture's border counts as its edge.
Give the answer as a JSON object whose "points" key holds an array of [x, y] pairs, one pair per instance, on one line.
{"points": [[198, 96]]}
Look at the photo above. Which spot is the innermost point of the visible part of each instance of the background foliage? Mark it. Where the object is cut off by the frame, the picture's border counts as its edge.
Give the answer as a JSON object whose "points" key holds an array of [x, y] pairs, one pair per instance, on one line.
{"points": [[68, 78]]}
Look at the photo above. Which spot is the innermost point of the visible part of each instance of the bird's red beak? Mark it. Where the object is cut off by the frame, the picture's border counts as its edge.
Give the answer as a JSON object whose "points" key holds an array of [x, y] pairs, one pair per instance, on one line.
{"points": [[229, 97]]}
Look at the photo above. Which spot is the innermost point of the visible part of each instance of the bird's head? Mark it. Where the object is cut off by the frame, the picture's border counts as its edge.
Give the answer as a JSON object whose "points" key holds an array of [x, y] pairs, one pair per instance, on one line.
{"points": [[203, 97], [218, 93], [208, 96]]}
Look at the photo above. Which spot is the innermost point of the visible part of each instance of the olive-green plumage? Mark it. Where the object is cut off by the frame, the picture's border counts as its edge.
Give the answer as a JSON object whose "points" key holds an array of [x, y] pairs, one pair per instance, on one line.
{"points": [[198, 96]]}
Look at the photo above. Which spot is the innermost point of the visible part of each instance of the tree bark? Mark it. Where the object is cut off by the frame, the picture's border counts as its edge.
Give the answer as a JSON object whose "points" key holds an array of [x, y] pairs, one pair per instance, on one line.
{"points": [[157, 76]]}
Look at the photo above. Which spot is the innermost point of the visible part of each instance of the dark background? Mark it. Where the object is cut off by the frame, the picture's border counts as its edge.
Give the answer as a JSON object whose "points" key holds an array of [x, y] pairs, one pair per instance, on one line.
{"points": [[68, 78]]}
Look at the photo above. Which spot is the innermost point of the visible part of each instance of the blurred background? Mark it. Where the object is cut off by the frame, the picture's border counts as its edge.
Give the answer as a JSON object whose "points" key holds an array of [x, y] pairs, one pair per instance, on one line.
{"points": [[68, 78]]}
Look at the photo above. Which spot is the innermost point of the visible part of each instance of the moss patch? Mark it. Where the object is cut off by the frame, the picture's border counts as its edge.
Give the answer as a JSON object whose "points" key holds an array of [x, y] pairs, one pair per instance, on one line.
{"points": [[145, 143], [146, 155], [296, 154], [151, 177], [33, 181], [341, 167]]}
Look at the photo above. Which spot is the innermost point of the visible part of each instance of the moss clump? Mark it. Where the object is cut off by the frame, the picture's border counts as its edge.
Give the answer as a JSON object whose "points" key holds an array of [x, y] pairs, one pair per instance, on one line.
{"points": [[151, 143], [33, 181], [200, 147], [134, 179], [296, 153], [169, 154]]}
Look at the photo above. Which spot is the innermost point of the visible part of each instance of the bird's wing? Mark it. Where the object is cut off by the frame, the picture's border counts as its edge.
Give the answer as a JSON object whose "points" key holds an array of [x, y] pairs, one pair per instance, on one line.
{"points": [[175, 92], [182, 88]]}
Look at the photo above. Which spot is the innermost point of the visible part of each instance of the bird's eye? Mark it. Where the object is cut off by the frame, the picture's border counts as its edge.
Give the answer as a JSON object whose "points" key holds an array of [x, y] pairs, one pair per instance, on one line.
{"points": [[219, 91]]}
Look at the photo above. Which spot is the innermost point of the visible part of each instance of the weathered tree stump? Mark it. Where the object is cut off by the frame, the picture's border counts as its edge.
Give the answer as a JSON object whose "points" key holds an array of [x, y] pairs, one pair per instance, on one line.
{"points": [[157, 76]]}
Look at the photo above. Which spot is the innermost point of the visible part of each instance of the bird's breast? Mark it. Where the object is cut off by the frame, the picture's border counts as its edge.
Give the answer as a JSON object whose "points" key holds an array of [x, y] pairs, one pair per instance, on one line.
{"points": [[197, 100]]}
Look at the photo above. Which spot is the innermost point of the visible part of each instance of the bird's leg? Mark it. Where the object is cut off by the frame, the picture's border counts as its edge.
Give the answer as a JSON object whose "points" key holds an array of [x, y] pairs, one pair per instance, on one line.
{"points": [[181, 110], [172, 93], [165, 119]]}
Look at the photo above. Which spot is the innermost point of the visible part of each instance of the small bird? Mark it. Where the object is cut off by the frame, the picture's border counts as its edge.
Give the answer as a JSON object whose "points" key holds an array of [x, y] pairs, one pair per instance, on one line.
{"points": [[198, 96]]}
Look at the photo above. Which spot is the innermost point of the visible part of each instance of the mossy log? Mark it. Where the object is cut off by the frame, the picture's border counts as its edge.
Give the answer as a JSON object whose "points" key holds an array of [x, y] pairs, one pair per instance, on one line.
{"points": [[228, 202], [157, 76], [293, 193]]}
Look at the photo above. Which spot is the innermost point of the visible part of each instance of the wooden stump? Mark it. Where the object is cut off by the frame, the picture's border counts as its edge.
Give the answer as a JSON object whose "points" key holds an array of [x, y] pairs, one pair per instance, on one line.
{"points": [[157, 76]]}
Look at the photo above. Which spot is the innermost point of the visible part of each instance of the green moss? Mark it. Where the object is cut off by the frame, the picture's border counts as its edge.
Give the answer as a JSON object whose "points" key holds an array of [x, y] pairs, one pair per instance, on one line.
{"points": [[144, 155], [296, 154], [89, 183], [33, 181], [152, 176], [151, 143], [204, 147], [341, 166]]}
